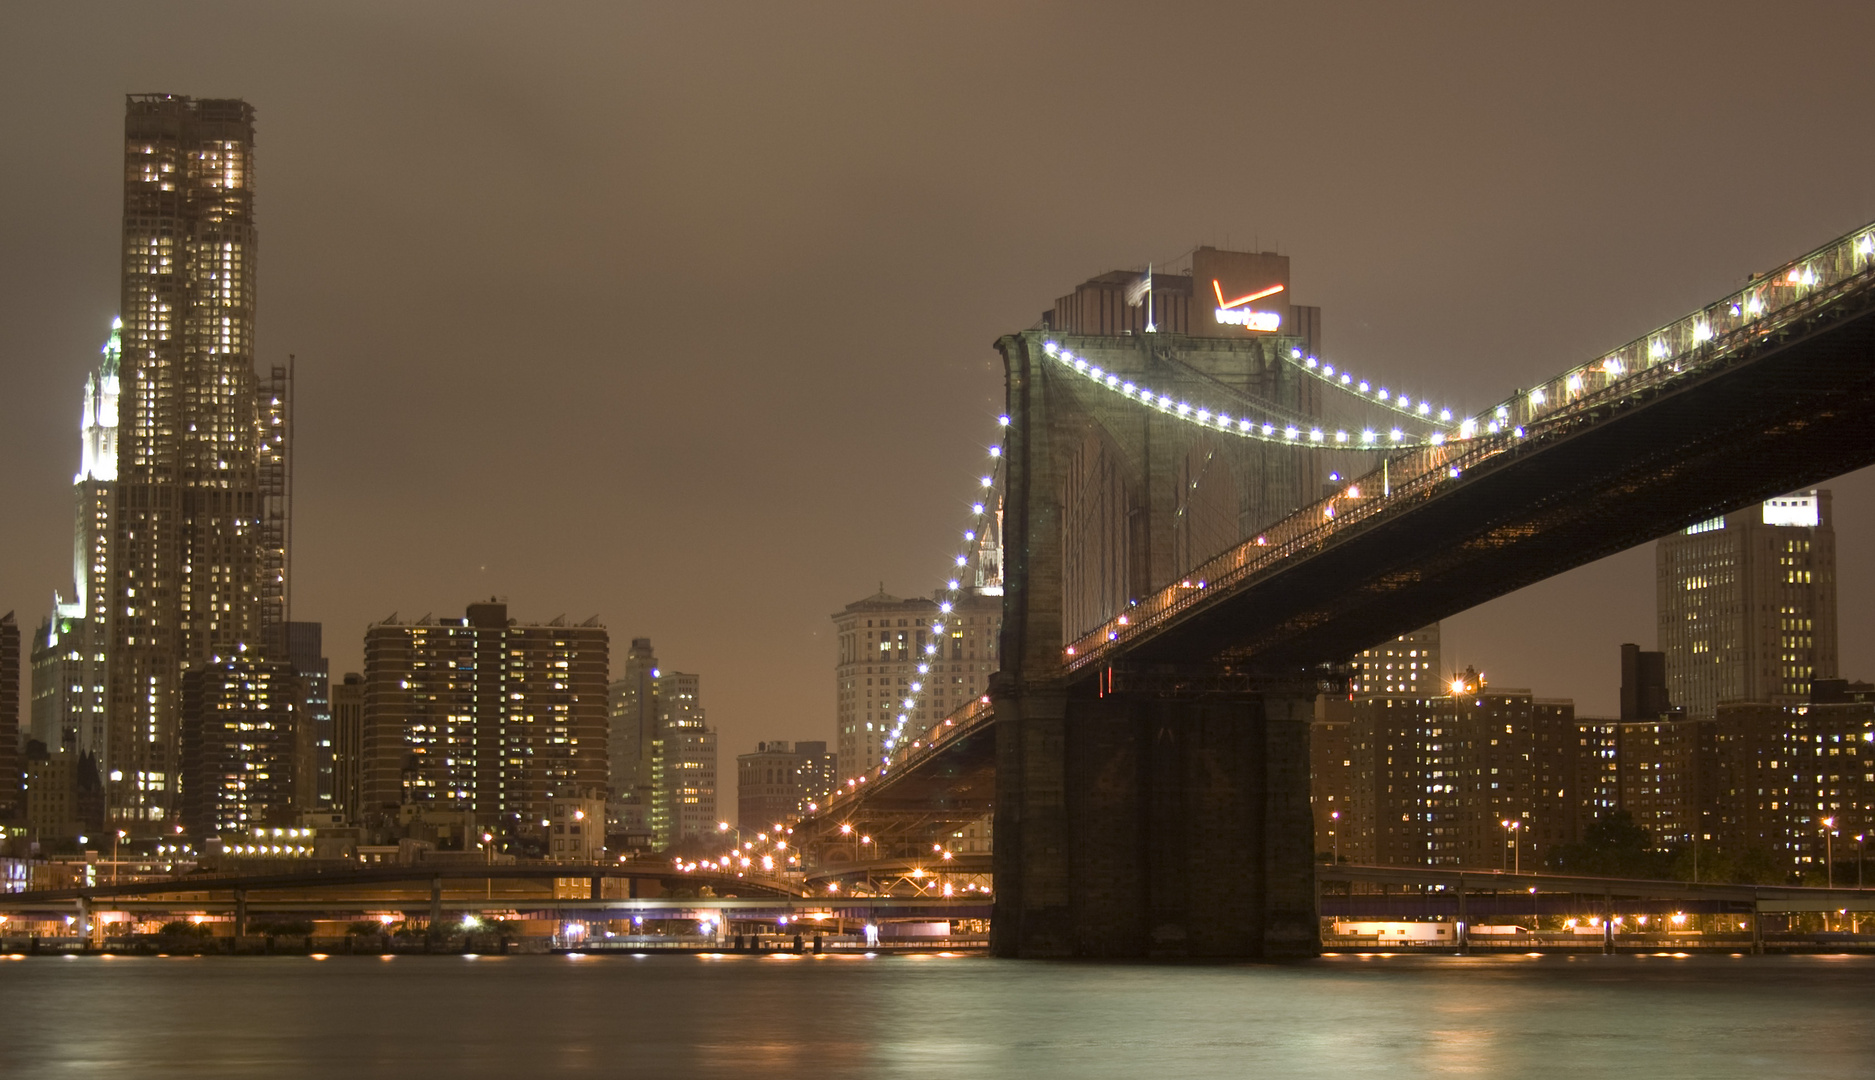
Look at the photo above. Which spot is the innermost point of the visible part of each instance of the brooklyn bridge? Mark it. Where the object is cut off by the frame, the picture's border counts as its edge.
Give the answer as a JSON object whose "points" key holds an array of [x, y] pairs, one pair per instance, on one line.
{"points": [[1199, 530], [1202, 520]]}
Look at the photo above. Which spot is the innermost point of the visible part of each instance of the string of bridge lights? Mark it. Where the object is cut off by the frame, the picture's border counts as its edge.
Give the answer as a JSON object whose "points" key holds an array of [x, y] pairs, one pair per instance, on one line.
{"points": [[1368, 391], [981, 507], [1265, 430]]}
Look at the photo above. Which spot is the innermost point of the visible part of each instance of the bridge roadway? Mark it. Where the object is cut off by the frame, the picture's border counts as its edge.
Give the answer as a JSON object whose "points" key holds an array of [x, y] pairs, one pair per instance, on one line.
{"points": [[352, 893], [371, 887], [919, 872], [944, 778], [328, 877]]}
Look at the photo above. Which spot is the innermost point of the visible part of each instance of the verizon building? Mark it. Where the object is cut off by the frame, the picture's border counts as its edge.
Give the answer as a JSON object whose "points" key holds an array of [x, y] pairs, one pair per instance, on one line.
{"points": [[1224, 294], [1747, 604]]}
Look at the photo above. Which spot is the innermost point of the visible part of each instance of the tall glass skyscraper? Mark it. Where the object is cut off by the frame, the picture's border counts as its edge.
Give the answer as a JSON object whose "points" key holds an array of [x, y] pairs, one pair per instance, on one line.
{"points": [[197, 565]]}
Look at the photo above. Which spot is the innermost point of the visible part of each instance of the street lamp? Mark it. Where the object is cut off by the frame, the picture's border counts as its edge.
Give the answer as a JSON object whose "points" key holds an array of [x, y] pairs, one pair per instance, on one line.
{"points": [[114, 842], [1829, 852], [1511, 825], [1334, 833], [1859, 837]]}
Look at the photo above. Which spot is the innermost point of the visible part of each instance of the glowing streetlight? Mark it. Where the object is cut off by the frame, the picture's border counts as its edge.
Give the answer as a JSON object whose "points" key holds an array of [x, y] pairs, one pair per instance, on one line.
{"points": [[1829, 852], [1511, 825]]}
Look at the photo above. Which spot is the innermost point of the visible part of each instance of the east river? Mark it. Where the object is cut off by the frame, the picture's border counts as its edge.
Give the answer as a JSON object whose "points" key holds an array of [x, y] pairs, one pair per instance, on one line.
{"points": [[678, 1017]]}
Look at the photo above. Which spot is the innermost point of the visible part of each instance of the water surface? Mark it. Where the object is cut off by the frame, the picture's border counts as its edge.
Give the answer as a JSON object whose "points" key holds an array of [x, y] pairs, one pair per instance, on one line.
{"points": [[671, 1017]]}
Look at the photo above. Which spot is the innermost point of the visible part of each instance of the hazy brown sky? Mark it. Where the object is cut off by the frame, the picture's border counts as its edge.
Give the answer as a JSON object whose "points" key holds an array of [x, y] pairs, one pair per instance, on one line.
{"points": [[680, 314]]}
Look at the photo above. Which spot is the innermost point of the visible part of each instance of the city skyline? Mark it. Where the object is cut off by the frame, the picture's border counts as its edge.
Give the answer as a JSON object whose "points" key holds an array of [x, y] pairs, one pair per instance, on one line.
{"points": [[381, 388], [1347, 524]]}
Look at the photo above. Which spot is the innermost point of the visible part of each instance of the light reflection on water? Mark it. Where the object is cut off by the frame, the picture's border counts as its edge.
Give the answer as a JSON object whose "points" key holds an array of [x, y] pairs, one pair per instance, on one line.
{"points": [[667, 1016]]}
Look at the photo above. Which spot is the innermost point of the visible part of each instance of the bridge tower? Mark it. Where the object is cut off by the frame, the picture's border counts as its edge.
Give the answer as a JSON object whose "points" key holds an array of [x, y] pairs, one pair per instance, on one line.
{"points": [[1155, 809]]}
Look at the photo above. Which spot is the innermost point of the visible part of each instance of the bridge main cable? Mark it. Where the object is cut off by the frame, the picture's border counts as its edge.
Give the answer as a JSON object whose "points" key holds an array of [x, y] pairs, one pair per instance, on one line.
{"points": [[1262, 429]]}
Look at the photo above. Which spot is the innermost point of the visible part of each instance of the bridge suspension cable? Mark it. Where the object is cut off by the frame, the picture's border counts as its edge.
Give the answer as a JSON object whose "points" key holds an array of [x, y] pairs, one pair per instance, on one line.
{"points": [[1367, 391], [1258, 429], [982, 512]]}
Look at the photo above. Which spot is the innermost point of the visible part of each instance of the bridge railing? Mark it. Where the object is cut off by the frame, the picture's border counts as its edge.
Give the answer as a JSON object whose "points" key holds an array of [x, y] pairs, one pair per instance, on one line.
{"points": [[1765, 303], [939, 734], [1692, 344]]}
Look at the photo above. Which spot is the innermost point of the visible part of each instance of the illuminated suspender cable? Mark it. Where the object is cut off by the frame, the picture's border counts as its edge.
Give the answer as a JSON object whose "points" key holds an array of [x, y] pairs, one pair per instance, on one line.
{"points": [[1279, 432]]}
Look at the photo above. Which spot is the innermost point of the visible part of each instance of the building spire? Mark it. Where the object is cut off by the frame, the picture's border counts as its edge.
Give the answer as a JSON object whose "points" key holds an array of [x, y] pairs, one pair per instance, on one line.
{"points": [[113, 349]]}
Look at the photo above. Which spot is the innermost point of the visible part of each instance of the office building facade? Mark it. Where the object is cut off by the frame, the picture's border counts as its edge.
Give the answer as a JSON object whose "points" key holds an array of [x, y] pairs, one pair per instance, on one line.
{"points": [[64, 797], [1476, 777], [1407, 666], [1747, 604], [241, 746], [881, 644], [768, 786], [348, 733], [683, 763], [817, 774], [633, 703], [483, 715], [1786, 775], [577, 830], [305, 651]]}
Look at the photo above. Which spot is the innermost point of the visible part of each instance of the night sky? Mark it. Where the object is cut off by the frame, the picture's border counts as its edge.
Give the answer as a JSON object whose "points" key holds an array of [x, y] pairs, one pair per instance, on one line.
{"points": [[681, 314]]}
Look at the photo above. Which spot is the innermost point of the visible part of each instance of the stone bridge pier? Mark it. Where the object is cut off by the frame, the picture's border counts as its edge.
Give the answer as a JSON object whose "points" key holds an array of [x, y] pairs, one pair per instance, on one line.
{"points": [[1147, 823]]}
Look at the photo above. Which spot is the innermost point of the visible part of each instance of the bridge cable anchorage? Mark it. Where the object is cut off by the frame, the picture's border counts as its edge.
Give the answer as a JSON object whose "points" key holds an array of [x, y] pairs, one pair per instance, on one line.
{"points": [[1266, 430], [1687, 347]]}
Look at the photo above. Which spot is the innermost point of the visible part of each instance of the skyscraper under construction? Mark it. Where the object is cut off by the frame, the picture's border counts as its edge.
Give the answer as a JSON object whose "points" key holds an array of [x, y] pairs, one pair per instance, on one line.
{"points": [[199, 519]]}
